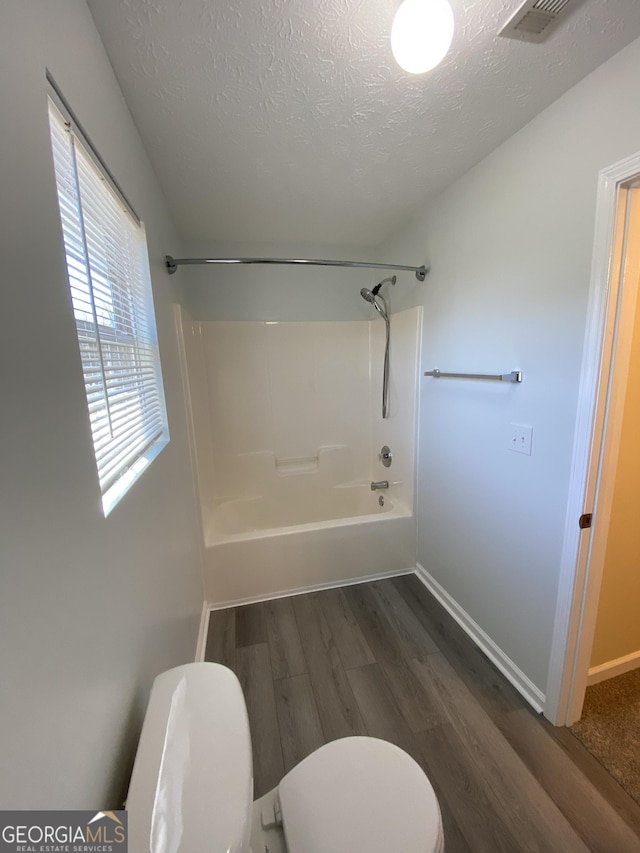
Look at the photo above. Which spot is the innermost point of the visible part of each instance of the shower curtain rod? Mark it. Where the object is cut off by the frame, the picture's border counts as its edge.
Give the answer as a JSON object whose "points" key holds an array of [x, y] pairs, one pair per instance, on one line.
{"points": [[174, 263]]}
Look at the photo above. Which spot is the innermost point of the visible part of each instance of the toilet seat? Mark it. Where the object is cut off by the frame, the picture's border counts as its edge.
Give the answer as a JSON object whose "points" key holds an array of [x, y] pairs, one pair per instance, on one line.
{"points": [[359, 794]]}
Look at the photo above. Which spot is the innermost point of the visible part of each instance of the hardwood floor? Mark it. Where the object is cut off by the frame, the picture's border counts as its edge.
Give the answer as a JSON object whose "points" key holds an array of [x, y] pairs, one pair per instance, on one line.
{"points": [[384, 659]]}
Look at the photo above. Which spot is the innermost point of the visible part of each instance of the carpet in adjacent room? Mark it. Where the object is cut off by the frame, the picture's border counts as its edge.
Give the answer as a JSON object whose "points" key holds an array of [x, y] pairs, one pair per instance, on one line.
{"points": [[610, 728]]}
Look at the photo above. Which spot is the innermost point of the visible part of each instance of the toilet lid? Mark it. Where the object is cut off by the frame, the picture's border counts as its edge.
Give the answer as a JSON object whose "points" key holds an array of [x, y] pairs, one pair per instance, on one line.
{"points": [[359, 794]]}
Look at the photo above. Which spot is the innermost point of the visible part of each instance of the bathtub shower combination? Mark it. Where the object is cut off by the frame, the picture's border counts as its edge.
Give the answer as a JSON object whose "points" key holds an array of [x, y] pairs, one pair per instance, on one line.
{"points": [[291, 450]]}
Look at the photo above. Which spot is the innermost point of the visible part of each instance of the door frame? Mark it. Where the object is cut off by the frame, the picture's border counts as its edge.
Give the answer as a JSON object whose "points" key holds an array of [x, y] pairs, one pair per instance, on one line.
{"points": [[605, 367]]}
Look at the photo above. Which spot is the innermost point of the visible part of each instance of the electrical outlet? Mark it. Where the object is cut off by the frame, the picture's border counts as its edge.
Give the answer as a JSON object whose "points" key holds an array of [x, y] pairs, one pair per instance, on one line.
{"points": [[520, 438]]}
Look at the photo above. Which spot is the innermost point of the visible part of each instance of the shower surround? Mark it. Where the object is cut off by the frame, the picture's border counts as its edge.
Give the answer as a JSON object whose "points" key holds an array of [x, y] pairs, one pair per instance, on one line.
{"points": [[286, 431]]}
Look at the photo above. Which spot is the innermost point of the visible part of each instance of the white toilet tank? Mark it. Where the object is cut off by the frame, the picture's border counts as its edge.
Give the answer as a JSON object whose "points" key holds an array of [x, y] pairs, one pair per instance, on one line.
{"points": [[192, 781]]}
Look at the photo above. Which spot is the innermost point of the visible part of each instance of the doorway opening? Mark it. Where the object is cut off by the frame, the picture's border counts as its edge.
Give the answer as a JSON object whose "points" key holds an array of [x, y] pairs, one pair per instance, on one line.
{"points": [[607, 364]]}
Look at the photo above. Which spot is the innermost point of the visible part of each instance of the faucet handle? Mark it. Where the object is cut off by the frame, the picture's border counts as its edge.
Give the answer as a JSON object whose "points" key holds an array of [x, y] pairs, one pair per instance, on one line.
{"points": [[385, 456]]}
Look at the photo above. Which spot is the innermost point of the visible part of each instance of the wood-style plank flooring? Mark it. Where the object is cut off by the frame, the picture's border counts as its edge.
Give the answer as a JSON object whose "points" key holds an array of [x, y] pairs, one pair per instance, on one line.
{"points": [[384, 659]]}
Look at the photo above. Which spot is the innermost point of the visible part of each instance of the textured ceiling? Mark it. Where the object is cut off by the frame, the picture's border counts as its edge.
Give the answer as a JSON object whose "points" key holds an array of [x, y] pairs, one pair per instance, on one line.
{"points": [[288, 120]]}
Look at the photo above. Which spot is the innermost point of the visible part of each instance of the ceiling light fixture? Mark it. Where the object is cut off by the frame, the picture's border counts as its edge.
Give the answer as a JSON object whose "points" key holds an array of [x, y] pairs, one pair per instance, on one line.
{"points": [[421, 34]]}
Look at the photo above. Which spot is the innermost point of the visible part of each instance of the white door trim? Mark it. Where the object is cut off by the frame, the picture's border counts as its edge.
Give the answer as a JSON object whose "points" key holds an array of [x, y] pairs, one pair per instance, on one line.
{"points": [[599, 400]]}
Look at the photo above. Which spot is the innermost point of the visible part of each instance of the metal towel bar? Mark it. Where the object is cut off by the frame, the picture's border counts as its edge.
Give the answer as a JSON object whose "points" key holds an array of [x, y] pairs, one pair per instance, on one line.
{"points": [[513, 376]]}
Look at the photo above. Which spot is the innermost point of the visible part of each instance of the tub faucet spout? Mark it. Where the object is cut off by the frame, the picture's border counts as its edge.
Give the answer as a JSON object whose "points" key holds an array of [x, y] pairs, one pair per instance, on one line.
{"points": [[380, 484]]}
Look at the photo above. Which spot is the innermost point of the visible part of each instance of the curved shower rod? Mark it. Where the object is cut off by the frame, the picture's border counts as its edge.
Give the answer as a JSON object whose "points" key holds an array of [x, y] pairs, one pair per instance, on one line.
{"points": [[174, 263]]}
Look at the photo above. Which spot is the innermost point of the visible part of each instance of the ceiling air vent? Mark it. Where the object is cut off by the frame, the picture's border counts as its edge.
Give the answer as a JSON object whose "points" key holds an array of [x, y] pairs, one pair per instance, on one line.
{"points": [[535, 20]]}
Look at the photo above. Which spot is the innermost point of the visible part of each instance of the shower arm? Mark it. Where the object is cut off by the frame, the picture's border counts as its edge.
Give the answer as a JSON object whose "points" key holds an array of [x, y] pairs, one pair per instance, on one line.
{"points": [[172, 264]]}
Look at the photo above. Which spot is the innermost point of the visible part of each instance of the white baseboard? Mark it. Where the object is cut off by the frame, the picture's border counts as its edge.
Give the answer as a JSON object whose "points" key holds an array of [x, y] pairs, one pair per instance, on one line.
{"points": [[202, 632], [254, 599], [533, 695], [613, 667]]}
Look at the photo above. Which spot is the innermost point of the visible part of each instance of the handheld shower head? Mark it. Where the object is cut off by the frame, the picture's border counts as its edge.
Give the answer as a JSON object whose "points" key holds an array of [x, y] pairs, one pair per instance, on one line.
{"points": [[371, 297]]}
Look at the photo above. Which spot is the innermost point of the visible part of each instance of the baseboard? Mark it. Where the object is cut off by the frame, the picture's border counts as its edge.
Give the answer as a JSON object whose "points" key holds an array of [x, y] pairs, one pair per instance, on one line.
{"points": [[254, 599], [507, 667], [613, 667], [202, 632]]}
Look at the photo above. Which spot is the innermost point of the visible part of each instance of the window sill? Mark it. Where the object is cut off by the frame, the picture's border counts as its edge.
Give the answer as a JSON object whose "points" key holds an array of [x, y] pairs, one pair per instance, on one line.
{"points": [[118, 490]]}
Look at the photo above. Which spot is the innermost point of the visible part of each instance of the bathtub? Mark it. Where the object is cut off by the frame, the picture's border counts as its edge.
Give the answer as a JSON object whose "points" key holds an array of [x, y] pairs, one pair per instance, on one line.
{"points": [[294, 539], [278, 514]]}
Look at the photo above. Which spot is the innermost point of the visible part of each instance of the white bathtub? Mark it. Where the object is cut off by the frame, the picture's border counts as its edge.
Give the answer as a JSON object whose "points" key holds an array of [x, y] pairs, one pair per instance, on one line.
{"points": [[268, 545], [280, 513]]}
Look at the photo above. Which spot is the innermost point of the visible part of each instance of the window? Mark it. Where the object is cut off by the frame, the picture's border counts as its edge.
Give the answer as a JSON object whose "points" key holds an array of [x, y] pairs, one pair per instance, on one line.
{"points": [[108, 268]]}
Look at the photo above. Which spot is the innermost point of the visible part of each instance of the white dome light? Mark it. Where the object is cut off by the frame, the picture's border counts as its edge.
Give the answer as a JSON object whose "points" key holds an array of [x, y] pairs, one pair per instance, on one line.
{"points": [[421, 34]]}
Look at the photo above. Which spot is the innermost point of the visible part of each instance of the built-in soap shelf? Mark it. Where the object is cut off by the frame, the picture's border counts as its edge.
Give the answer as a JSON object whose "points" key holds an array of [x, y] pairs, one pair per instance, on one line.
{"points": [[301, 465], [258, 471]]}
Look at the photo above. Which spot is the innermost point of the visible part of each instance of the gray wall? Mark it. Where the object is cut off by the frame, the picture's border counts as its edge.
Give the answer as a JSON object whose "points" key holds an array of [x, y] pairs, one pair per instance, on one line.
{"points": [[90, 608], [510, 246]]}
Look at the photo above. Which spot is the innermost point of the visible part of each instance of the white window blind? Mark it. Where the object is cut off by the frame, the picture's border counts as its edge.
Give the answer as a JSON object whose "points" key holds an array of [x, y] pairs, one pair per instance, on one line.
{"points": [[107, 263]]}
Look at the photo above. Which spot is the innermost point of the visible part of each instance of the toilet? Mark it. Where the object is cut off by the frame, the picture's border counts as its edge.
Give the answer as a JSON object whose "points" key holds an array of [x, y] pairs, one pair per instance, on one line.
{"points": [[192, 783]]}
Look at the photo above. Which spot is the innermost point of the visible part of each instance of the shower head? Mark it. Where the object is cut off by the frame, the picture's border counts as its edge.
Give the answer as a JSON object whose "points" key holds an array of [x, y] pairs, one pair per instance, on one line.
{"points": [[371, 297]]}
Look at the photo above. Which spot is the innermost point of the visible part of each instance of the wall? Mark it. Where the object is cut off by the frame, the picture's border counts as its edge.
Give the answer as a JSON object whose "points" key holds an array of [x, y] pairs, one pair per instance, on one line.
{"points": [[281, 388], [510, 249], [618, 626], [91, 609], [291, 388]]}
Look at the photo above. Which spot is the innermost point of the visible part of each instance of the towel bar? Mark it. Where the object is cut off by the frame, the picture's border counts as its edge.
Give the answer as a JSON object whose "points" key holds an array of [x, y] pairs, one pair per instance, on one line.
{"points": [[513, 376]]}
